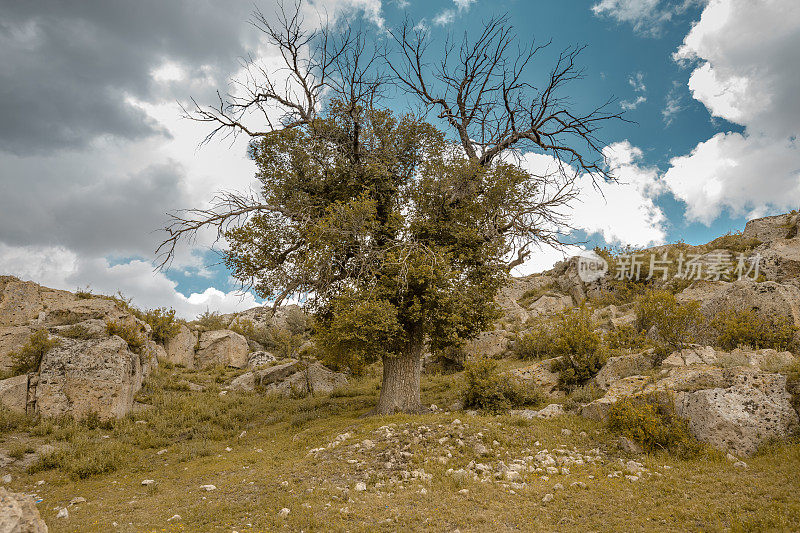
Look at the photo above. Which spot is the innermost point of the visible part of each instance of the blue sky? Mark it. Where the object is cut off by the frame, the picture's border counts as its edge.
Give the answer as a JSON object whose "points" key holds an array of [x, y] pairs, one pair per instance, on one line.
{"points": [[93, 151]]}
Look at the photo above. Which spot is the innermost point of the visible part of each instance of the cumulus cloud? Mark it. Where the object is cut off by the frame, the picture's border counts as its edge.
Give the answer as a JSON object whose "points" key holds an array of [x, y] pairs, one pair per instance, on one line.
{"points": [[447, 16], [747, 71]]}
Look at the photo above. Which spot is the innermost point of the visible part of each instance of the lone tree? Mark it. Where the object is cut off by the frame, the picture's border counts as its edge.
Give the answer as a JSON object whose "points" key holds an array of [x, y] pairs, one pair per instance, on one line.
{"points": [[399, 232]]}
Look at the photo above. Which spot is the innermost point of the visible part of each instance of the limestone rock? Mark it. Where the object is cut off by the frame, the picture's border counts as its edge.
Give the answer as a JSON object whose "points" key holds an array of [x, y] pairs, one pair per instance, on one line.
{"points": [[14, 393], [18, 514], [79, 377], [780, 260], [290, 378], [260, 358], [488, 344], [704, 355], [622, 366], [540, 374], [772, 228], [20, 302], [624, 388], [180, 347], [221, 347], [11, 339], [741, 417]]}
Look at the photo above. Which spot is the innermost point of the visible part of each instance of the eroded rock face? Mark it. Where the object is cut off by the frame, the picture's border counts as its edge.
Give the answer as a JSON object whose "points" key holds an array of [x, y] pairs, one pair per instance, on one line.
{"points": [[18, 514], [755, 409], [14, 393], [180, 347], [11, 339], [80, 377], [772, 228], [488, 344], [221, 347], [20, 302]]}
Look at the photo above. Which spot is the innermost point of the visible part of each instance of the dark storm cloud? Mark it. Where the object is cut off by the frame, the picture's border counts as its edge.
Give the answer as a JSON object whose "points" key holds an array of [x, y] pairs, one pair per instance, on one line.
{"points": [[66, 68]]}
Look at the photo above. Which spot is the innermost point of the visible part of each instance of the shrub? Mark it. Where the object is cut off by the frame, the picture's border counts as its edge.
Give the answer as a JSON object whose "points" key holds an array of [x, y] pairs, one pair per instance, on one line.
{"points": [[488, 390], [84, 294], [128, 332], [580, 347], [626, 337], [653, 425], [210, 320], [733, 328], [536, 343], [29, 357], [674, 321], [162, 323]]}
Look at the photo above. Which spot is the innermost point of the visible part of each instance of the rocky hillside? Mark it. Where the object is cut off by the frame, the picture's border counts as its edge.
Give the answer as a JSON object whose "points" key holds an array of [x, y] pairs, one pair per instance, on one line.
{"points": [[675, 371]]}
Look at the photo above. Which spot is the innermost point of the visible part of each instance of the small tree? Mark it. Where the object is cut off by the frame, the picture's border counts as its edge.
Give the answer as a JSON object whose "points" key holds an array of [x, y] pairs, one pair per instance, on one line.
{"points": [[400, 235]]}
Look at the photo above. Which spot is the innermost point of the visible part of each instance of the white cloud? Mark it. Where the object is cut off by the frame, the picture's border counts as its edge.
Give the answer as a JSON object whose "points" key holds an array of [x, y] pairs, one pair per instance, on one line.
{"points": [[447, 16], [646, 16], [673, 104], [747, 72]]}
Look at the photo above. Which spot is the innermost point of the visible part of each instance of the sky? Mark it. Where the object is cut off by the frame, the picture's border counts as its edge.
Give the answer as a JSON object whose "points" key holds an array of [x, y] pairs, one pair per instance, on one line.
{"points": [[94, 150]]}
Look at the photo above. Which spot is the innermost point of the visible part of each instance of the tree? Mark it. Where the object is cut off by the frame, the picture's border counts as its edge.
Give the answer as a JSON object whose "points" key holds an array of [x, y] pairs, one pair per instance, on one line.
{"points": [[400, 235]]}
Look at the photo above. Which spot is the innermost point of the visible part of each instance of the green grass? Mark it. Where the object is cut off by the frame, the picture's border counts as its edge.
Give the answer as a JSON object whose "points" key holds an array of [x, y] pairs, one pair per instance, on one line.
{"points": [[269, 467]]}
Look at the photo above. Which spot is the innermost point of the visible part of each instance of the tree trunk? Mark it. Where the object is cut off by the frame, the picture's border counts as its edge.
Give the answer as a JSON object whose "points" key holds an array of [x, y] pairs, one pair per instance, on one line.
{"points": [[400, 387]]}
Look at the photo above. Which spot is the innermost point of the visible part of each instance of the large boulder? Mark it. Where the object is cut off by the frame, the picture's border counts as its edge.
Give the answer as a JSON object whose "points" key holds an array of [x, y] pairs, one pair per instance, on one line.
{"points": [[623, 388], [221, 347], [768, 299], [488, 344], [18, 514], [623, 366], [14, 393], [780, 260], [180, 347], [20, 302], [739, 418], [293, 377], [80, 377], [541, 375]]}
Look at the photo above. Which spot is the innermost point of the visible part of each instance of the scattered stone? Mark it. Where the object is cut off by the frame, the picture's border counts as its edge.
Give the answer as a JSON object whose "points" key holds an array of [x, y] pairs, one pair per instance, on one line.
{"points": [[558, 486], [78, 500], [632, 478], [7, 479], [63, 513], [283, 513], [174, 518], [208, 488], [148, 482], [629, 446], [547, 498], [740, 464], [361, 486]]}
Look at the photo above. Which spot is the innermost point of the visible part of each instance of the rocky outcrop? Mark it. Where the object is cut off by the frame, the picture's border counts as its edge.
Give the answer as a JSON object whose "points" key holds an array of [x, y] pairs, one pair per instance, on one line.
{"points": [[769, 299], [18, 514], [181, 346], [739, 418], [80, 377], [221, 347], [772, 228], [623, 366], [291, 378], [260, 358], [11, 339], [541, 375], [488, 344], [14, 393]]}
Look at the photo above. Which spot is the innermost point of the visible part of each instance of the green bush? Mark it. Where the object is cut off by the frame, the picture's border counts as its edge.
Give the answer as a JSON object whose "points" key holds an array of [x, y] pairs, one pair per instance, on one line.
{"points": [[580, 347], [162, 323], [210, 321], [29, 357], [653, 425], [734, 328], [488, 390], [674, 322], [129, 333], [536, 343], [626, 338]]}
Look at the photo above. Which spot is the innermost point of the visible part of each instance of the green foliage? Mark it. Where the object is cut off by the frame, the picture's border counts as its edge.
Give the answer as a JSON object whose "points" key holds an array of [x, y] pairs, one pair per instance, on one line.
{"points": [[29, 356], [626, 338], [84, 458], [580, 347], [488, 390], [653, 425], [535, 343], [84, 294], [358, 332], [162, 323], [127, 332], [736, 328], [210, 321], [674, 322]]}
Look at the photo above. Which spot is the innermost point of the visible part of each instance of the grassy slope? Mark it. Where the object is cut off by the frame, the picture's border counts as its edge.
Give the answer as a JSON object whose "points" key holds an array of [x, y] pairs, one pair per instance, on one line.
{"points": [[269, 468]]}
